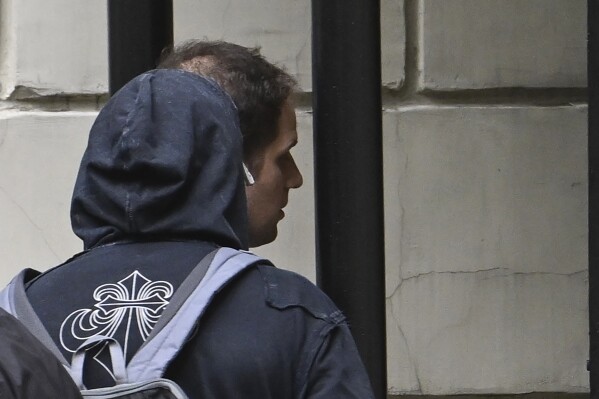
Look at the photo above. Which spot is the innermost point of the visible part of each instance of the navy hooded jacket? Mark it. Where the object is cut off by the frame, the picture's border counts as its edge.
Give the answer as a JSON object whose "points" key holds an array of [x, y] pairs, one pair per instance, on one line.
{"points": [[159, 187]]}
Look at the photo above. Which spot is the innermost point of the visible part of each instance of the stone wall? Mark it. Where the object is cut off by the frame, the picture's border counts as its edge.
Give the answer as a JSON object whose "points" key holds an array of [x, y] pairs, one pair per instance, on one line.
{"points": [[485, 124]]}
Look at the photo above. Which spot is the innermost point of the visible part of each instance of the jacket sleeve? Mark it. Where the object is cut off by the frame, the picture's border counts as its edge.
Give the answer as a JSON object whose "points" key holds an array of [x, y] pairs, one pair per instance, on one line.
{"points": [[337, 370], [27, 368]]}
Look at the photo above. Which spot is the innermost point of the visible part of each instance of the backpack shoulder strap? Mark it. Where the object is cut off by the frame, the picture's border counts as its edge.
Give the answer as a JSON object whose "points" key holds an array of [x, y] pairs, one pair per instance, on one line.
{"points": [[188, 304], [14, 300]]}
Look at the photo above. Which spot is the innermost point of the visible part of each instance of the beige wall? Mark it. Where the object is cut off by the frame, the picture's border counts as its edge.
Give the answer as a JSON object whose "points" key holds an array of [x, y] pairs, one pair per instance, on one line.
{"points": [[485, 170]]}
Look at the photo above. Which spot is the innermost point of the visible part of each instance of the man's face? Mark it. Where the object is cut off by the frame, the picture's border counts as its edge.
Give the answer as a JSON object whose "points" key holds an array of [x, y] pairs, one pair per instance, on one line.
{"points": [[275, 172]]}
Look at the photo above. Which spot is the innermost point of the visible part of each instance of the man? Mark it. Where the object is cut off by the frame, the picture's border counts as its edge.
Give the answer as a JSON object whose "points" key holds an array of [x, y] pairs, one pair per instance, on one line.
{"points": [[262, 93], [160, 186]]}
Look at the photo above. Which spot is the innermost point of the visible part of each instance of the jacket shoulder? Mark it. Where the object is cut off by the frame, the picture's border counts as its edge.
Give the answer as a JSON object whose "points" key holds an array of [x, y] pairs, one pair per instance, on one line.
{"points": [[286, 290]]}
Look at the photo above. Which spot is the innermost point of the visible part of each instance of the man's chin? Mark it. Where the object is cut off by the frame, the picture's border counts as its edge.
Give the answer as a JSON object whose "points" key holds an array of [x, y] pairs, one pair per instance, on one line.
{"points": [[263, 237]]}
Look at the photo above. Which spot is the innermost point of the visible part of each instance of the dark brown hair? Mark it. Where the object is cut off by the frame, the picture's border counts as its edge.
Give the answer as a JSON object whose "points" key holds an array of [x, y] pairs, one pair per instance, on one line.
{"points": [[257, 87]]}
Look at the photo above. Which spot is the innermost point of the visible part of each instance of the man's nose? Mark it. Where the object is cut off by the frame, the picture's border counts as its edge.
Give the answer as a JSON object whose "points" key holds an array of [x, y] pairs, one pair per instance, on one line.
{"points": [[295, 178]]}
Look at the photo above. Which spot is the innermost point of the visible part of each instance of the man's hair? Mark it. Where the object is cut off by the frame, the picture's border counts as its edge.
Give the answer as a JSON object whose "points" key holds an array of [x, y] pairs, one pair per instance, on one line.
{"points": [[257, 87]]}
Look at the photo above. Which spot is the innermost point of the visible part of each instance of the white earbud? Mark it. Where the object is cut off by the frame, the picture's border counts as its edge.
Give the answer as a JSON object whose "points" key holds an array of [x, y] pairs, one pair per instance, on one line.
{"points": [[249, 179]]}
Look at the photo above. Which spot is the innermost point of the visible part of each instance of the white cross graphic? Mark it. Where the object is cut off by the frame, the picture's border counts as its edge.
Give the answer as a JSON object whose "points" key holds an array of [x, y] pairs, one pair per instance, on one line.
{"points": [[134, 300]]}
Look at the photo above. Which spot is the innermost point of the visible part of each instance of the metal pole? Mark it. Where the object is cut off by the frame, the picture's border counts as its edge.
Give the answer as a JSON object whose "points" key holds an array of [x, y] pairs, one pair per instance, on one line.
{"points": [[593, 154], [138, 31], [348, 170]]}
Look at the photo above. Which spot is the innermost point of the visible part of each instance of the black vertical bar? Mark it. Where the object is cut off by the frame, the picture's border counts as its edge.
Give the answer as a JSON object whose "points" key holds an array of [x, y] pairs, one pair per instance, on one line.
{"points": [[138, 31], [593, 148], [348, 170]]}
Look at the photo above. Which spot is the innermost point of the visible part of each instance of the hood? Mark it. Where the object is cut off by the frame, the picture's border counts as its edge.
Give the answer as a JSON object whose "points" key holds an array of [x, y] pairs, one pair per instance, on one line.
{"points": [[163, 161]]}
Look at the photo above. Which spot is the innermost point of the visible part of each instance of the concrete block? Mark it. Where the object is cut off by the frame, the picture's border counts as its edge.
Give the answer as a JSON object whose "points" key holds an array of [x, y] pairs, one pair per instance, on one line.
{"points": [[475, 44], [393, 43], [489, 332], [486, 248], [488, 188], [39, 157], [54, 47], [283, 32]]}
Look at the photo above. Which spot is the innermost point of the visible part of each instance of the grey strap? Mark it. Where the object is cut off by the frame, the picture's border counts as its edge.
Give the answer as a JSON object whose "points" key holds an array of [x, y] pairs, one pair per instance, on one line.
{"points": [[182, 293], [131, 389], [117, 359], [14, 300], [156, 354]]}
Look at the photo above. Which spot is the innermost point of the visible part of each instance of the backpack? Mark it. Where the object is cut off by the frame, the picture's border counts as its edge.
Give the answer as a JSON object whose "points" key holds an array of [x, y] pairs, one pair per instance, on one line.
{"points": [[141, 378]]}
